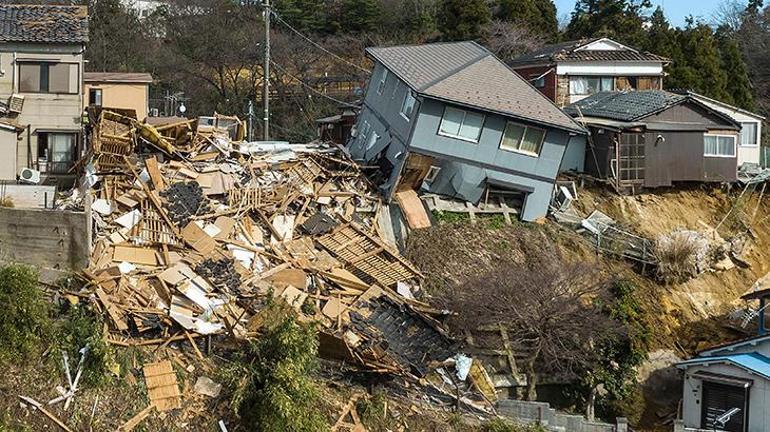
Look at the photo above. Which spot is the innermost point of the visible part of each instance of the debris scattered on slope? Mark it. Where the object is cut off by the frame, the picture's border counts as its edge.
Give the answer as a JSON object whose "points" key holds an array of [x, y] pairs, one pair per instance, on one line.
{"points": [[204, 231]]}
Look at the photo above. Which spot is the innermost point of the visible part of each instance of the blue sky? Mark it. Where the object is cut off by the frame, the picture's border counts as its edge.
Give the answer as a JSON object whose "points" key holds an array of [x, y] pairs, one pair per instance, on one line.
{"points": [[676, 10]]}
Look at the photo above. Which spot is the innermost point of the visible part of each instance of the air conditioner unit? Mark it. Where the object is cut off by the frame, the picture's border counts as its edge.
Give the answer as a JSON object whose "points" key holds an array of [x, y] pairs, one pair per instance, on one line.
{"points": [[16, 103], [29, 176]]}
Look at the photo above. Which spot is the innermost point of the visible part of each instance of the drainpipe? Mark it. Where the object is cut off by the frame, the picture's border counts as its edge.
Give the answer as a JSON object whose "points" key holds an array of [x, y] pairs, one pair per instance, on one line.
{"points": [[762, 301]]}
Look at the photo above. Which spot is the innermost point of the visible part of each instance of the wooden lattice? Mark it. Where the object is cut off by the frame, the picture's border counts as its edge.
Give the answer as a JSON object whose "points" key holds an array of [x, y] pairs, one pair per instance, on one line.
{"points": [[367, 256], [154, 229], [305, 171]]}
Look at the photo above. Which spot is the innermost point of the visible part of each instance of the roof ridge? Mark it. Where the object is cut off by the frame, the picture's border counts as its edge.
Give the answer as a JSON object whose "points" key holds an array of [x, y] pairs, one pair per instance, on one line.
{"points": [[455, 71]]}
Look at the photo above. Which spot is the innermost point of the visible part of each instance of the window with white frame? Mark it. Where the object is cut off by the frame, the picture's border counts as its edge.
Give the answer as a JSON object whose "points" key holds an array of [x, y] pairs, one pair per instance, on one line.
{"points": [[522, 139], [381, 84], [432, 174], [749, 134], [461, 124], [587, 85], [719, 145], [408, 106], [49, 77]]}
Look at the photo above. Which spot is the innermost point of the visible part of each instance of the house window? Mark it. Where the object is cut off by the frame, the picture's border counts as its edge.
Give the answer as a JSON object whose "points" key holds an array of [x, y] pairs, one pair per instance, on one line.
{"points": [[408, 106], [432, 174], [587, 85], [56, 152], [522, 139], [48, 77], [95, 97], [538, 80], [381, 84], [461, 124], [719, 145], [749, 134]]}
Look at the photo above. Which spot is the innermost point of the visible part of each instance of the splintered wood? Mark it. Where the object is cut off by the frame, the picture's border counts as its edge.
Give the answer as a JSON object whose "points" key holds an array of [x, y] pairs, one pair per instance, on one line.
{"points": [[367, 256], [162, 387]]}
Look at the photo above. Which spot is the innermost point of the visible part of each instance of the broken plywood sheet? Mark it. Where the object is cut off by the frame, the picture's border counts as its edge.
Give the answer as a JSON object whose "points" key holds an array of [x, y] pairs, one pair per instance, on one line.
{"points": [[135, 255], [294, 277], [413, 209], [198, 239], [162, 387], [284, 227], [225, 225]]}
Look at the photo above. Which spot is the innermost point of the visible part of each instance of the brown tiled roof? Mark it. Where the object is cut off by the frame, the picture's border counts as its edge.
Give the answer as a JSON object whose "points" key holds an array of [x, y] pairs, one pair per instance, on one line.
{"points": [[43, 24], [467, 74], [117, 77], [569, 51]]}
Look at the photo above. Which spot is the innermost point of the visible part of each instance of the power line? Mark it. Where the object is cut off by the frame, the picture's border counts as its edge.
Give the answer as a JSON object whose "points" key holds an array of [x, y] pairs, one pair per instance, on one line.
{"points": [[316, 44], [310, 87]]}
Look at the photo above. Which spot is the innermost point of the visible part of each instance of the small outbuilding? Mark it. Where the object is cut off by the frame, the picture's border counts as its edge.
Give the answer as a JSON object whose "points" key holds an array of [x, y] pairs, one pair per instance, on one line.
{"points": [[654, 138]]}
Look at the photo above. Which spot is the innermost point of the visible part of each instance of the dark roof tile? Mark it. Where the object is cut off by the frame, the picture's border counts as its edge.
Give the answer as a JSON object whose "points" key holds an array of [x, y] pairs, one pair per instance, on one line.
{"points": [[43, 24], [624, 106]]}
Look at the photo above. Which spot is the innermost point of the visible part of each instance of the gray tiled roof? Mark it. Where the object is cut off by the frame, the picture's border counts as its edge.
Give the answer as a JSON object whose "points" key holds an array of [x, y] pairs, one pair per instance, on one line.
{"points": [[43, 24], [465, 73], [625, 106], [568, 51]]}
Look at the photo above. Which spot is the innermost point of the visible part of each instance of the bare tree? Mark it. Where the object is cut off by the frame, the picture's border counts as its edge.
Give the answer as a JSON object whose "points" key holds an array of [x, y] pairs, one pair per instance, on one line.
{"points": [[548, 311], [508, 41]]}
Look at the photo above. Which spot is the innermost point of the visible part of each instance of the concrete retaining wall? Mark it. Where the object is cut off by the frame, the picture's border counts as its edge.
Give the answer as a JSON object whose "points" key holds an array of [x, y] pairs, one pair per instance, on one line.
{"points": [[51, 239], [542, 413]]}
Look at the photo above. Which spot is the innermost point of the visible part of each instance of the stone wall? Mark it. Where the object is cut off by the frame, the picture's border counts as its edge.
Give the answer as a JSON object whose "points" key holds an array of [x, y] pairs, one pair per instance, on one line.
{"points": [[541, 413]]}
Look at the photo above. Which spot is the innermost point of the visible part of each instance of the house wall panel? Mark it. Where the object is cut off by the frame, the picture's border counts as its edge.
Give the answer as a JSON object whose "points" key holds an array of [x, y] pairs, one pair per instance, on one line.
{"points": [[759, 396], [487, 151]]}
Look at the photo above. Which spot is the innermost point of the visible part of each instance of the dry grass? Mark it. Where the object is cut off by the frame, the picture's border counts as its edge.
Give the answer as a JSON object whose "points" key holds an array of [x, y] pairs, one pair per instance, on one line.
{"points": [[677, 256], [6, 202]]}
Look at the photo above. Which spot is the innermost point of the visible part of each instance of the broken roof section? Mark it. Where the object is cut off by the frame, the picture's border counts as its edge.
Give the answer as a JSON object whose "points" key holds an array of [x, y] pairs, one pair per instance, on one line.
{"points": [[43, 24], [584, 50], [634, 105], [625, 106], [466, 73]]}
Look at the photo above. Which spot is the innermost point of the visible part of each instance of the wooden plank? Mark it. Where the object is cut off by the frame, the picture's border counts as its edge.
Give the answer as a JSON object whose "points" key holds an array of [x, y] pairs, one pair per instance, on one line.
{"points": [[154, 171], [413, 209], [113, 312], [135, 420], [198, 239], [47, 413]]}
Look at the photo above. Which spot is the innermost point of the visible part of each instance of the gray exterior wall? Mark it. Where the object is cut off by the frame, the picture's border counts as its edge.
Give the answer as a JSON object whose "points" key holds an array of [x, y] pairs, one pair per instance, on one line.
{"points": [[759, 396], [465, 165]]}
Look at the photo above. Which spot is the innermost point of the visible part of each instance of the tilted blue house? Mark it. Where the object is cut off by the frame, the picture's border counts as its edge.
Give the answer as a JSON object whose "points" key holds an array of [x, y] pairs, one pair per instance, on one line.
{"points": [[452, 119]]}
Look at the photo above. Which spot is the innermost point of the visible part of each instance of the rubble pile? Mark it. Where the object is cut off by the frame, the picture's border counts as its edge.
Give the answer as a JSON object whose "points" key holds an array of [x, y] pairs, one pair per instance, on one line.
{"points": [[196, 232]]}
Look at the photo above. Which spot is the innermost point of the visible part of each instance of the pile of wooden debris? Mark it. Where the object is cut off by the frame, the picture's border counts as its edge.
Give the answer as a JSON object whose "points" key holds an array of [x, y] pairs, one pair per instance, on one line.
{"points": [[196, 232]]}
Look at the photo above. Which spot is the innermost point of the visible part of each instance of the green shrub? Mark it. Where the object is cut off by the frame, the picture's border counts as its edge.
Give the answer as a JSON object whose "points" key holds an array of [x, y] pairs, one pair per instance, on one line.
{"points": [[25, 313], [373, 412], [273, 390], [500, 425], [81, 327]]}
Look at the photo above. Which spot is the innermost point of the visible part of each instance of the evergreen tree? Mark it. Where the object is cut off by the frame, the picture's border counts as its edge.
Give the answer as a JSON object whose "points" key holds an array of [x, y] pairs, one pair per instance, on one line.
{"points": [[539, 16], [462, 19], [622, 20], [699, 67], [738, 85], [308, 16], [360, 16]]}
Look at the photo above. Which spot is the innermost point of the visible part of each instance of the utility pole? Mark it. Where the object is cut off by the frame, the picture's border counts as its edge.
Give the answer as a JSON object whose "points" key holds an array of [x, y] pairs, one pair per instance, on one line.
{"points": [[266, 72]]}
